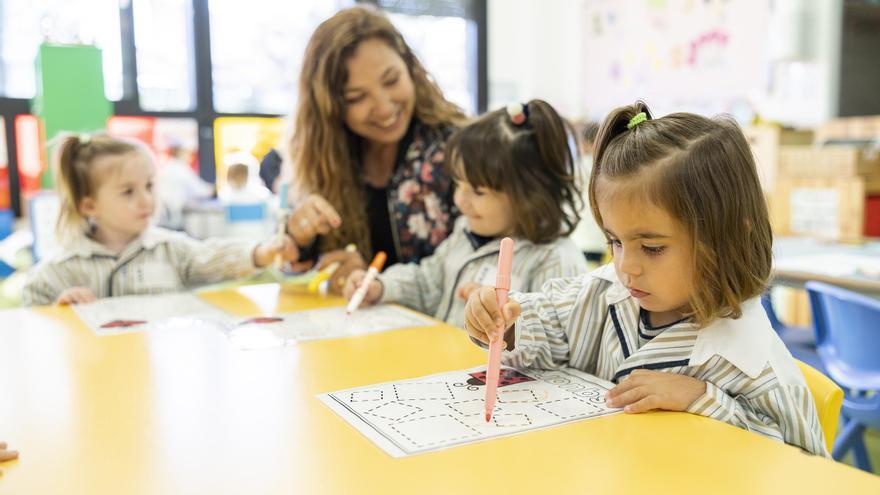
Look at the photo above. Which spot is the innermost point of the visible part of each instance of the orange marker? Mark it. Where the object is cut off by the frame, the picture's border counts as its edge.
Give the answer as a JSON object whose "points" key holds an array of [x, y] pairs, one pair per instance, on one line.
{"points": [[502, 286], [361, 292]]}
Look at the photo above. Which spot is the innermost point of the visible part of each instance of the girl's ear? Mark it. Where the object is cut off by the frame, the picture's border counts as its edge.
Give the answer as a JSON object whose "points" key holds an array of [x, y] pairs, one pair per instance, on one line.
{"points": [[87, 207]]}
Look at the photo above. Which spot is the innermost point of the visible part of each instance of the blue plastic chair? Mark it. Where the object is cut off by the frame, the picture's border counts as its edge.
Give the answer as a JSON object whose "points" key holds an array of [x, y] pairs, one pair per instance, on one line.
{"points": [[800, 341], [848, 342]]}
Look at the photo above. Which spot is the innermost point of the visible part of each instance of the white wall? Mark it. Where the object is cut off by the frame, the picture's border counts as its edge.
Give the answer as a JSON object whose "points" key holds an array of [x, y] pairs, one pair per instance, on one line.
{"points": [[537, 49], [535, 52]]}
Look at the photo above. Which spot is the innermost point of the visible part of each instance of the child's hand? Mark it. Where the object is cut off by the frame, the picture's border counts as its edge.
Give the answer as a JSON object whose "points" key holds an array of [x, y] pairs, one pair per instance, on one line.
{"points": [[348, 260], [374, 292], [482, 317], [465, 290], [6, 455], [646, 390], [76, 295], [265, 252]]}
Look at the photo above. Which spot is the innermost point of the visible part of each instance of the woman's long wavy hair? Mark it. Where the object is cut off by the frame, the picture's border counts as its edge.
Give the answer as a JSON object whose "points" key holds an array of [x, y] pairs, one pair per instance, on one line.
{"points": [[323, 150]]}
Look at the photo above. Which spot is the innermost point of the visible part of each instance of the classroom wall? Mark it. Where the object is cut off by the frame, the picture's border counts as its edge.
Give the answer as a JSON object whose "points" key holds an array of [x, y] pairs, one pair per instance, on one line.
{"points": [[535, 51], [781, 59]]}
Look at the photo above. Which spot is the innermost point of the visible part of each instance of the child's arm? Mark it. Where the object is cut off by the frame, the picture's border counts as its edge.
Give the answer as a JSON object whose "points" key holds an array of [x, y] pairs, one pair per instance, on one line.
{"points": [[780, 412], [215, 260], [416, 285], [44, 285], [539, 336], [784, 412], [266, 252]]}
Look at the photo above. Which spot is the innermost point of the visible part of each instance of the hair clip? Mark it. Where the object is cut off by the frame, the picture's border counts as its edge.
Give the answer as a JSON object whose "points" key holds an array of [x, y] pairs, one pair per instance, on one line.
{"points": [[518, 113], [84, 139], [637, 119]]}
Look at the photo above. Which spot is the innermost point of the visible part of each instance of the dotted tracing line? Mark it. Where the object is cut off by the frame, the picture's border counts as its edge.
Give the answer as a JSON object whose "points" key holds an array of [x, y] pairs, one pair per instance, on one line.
{"points": [[450, 406], [443, 441], [575, 415], [526, 416], [502, 397], [352, 399], [448, 389], [417, 410]]}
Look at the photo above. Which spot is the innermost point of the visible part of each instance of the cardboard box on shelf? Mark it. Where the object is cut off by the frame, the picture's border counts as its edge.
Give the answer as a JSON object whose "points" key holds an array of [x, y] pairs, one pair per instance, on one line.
{"points": [[823, 207], [829, 162], [766, 140], [849, 129]]}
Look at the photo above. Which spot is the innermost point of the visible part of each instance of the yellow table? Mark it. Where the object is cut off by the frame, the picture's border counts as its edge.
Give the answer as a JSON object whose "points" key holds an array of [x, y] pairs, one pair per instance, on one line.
{"points": [[183, 411]]}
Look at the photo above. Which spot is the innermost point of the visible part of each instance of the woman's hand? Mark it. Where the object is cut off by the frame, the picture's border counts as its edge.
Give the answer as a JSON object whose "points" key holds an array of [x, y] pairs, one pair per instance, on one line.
{"points": [[482, 316], [646, 390], [76, 295], [313, 216], [348, 260]]}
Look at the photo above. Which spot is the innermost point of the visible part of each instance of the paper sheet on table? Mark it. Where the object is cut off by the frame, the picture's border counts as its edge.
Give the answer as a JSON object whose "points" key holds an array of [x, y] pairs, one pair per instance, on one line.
{"points": [[126, 314], [446, 410], [327, 323]]}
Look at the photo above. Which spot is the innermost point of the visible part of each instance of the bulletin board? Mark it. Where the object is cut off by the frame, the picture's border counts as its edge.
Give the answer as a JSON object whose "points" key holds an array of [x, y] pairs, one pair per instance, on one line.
{"points": [[704, 56]]}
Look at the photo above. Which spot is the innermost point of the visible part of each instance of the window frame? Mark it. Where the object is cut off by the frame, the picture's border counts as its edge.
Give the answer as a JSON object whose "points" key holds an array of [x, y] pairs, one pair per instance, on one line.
{"points": [[204, 113]]}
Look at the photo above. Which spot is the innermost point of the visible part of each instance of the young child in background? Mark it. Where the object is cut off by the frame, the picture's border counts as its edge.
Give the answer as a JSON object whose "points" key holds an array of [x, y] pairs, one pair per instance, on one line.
{"points": [[109, 246], [514, 176], [243, 185], [676, 321], [177, 184]]}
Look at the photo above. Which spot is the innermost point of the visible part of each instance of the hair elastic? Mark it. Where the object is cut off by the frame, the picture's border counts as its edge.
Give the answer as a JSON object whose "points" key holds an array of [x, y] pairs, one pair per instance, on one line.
{"points": [[637, 119], [518, 113], [84, 139]]}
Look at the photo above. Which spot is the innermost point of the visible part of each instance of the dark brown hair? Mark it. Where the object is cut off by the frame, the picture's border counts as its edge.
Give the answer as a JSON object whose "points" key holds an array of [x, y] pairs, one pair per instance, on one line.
{"points": [[701, 172], [322, 148], [75, 157], [531, 162]]}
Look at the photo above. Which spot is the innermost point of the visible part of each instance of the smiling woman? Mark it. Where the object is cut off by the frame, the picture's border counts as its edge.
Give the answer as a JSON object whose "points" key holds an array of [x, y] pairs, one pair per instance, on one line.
{"points": [[368, 146]]}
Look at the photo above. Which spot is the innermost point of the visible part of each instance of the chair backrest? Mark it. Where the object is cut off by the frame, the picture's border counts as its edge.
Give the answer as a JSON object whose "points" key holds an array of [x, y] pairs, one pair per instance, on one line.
{"points": [[828, 398], [847, 335], [771, 313]]}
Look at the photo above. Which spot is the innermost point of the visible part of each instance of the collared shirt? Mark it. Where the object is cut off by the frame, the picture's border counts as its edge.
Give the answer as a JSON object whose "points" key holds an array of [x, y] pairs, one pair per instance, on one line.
{"points": [[430, 286], [592, 323], [159, 261]]}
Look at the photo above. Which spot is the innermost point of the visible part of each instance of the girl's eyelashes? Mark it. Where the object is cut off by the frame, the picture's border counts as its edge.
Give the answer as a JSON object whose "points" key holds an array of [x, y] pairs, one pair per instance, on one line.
{"points": [[649, 250], [391, 82], [653, 250], [351, 100]]}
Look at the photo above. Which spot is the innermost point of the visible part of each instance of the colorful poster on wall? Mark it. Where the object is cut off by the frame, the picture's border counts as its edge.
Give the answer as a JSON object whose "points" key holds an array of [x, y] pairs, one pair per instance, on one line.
{"points": [[705, 57]]}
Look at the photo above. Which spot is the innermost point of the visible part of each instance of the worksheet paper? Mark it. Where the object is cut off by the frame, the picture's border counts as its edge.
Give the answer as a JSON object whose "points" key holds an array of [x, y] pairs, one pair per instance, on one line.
{"points": [[327, 323], [126, 314], [411, 417]]}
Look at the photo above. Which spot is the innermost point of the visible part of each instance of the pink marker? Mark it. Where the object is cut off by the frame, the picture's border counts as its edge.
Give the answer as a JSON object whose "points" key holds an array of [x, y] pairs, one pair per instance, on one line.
{"points": [[502, 286]]}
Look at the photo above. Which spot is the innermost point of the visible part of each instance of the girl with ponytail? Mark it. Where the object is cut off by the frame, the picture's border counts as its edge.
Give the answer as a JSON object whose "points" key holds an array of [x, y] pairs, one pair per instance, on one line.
{"points": [[514, 175], [109, 246]]}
